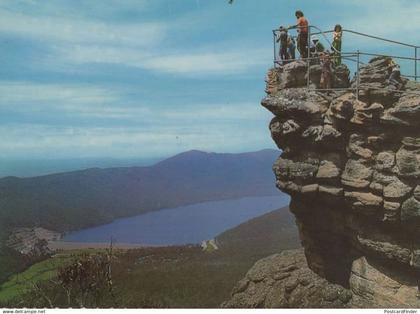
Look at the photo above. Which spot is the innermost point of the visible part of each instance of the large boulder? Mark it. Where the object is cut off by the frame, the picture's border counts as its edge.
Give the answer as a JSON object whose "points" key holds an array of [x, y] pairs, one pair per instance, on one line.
{"points": [[373, 286], [285, 281], [405, 112]]}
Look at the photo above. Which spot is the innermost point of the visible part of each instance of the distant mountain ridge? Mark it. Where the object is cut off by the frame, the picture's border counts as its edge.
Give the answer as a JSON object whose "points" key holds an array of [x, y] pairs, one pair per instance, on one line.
{"points": [[33, 167], [77, 199]]}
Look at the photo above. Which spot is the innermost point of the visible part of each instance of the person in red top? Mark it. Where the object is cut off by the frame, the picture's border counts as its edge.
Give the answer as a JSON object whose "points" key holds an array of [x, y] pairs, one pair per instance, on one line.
{"points": [[302, 28]]}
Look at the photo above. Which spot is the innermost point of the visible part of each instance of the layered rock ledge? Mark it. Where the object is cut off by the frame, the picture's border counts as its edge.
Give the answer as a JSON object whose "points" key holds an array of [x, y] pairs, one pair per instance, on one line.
{"points": [[285, 281], [352, 167]]}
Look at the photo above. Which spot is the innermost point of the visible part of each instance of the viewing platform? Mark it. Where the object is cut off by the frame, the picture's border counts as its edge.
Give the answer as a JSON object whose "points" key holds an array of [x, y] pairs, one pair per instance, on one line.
{"points": [[406, 58]]}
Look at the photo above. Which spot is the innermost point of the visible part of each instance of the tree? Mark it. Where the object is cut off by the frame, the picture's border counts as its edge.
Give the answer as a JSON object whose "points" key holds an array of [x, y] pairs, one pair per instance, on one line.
{"points": [[86, 283], [88, 280]]}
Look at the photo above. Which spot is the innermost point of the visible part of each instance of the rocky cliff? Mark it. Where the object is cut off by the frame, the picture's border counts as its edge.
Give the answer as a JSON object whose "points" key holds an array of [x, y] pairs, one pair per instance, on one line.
{"points": [[352, 167]]}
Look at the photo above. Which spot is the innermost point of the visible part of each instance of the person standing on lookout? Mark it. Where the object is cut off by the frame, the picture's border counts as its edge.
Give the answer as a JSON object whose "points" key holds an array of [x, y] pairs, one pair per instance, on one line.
{"points": [[283, 39], [302, 27]]}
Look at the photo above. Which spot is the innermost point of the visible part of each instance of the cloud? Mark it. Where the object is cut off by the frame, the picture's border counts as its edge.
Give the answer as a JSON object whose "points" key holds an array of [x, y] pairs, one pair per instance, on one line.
{"points": [[72, 40], [77, 7], [80, 31], [64, 103], [238, 112], [99, 54], [119, 128], [76, 101], [230, 62], [40, 141], [189, 62], [103, 116], [17, 92], [37, 98], [394, 19]]}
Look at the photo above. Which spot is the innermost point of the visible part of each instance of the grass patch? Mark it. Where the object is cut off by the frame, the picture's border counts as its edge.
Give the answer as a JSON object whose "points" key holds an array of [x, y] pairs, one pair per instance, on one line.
{"points": [[21, 283], [178, 277], [10, 262]]}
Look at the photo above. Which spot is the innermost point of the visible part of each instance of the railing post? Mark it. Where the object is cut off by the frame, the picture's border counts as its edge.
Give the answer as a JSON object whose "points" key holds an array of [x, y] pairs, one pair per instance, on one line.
{"points": [[274, 47], [307, 57], [415, 64], [358, 75]]}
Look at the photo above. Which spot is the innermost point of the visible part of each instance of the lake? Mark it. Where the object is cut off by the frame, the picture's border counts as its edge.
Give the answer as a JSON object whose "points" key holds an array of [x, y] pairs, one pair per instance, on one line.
{"points": [[181, 225]]}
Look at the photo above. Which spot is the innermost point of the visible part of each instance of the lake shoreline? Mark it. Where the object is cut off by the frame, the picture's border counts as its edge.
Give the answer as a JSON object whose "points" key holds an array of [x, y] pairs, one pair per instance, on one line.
{"points": [[68, 246], [189, 224]]}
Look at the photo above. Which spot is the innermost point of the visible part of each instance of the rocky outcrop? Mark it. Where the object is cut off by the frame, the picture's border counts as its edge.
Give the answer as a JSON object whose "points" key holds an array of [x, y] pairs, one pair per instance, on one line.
{"points": [[351, 164], [285, 281]]}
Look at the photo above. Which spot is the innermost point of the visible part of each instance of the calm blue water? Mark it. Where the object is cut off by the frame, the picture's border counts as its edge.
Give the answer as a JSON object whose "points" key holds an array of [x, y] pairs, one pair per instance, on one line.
{"points": [[181, 225]]}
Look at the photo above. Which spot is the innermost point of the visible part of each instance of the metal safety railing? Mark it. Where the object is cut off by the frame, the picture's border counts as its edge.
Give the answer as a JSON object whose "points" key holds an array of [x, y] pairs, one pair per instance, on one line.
{"points": [[354, 56]]}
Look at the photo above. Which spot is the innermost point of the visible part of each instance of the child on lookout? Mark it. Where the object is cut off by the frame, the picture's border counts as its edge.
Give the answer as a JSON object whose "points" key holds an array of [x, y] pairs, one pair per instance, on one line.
{"points": [[336, 44], [326, 71]]}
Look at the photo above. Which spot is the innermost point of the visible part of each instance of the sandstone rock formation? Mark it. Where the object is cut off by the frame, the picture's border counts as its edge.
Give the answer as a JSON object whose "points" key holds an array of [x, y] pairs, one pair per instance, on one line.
{"points": [[285, 281], [352, 167]]}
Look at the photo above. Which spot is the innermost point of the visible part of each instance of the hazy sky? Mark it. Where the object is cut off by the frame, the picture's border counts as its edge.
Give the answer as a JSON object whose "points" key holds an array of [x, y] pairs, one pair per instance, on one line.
{"points": [[126, 78]]}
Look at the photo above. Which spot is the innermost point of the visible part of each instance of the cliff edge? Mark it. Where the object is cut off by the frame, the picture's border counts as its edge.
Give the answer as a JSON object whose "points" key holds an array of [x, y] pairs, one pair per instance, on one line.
{"points": [[352, 167]]}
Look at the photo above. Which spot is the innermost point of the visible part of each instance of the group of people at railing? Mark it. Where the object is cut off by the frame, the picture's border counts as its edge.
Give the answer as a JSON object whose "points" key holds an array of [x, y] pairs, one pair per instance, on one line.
{"points": [[312, 50], [316, 49]]}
